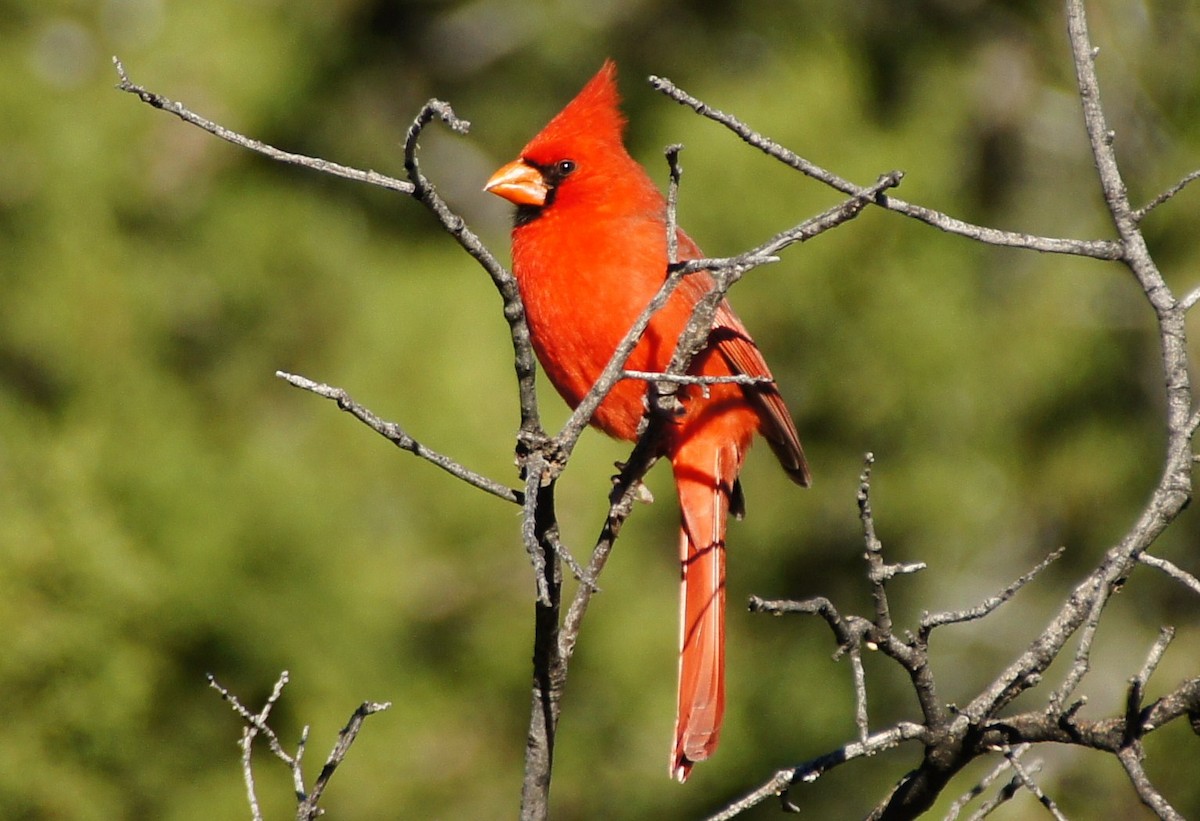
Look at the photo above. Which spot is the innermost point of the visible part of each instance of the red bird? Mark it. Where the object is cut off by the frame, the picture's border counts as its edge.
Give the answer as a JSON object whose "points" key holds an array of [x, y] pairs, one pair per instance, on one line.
{"points": [[589, 247]]}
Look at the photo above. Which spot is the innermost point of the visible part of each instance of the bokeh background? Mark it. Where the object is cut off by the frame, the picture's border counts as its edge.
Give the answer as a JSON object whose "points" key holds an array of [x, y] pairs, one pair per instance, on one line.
{"points": [[168, 508]]}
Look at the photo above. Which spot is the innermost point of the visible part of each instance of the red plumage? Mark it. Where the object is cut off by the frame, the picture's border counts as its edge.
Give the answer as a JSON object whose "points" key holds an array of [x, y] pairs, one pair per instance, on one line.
{"points": [[589, 253]]}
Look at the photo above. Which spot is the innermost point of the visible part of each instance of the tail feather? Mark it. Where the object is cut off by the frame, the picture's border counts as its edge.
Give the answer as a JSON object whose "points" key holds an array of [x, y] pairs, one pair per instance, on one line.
{"points": [[704, 499]]}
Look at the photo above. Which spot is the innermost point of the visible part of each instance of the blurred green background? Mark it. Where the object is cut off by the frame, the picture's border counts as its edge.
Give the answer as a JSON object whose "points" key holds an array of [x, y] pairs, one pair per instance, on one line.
{"points": [[168, 508]]}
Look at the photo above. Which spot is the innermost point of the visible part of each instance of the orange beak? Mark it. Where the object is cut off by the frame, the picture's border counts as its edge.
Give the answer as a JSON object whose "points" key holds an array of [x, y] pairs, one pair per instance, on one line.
{"points": [[519, 183]]}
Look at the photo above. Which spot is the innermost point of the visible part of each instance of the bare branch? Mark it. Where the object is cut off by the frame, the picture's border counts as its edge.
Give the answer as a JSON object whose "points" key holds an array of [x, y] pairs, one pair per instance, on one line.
{"points": [[930, 621], [877, 571], [536, 535], [317, 164], [1026, 779], [688, 379], [847, 631], [1099, 249], [569, 435], [1083, 652], [396, 435], [726, 272], [988, 779], [1141, 213], [571, 562], [247, 745], [1171, 569], [813, 769], [861, 720], [1003, 796], [1189, 300], [624, 495], [672, 154], [1131, 759], [1184, 700], [502, 279], [346, 736], [258, 721], [535, 473], [1137, 685], [951, 737]]}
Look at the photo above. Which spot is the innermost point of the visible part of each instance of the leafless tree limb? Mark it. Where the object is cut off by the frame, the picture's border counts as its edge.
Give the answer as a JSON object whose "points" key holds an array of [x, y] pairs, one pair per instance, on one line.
{"points": [[1171, 569], [688, 379], [1131, 759], [1188, 179], [929, 621], [1025, 776], [1100, 249], [813, 769], [398, 437], [307, 801], [308, 807], [190, 117], [988, 779]]}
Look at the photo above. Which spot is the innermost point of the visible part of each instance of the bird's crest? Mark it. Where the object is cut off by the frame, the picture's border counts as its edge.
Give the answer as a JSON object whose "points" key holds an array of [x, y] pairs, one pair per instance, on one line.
{"points": [[592, 119]]}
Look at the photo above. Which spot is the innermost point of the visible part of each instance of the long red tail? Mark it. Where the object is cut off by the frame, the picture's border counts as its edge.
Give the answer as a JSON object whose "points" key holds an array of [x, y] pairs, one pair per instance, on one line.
{"points": [[704, 478]]}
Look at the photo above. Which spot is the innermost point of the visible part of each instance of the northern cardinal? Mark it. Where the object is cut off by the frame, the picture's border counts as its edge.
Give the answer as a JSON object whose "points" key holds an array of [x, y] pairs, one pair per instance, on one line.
{"points": [[589, 249]]}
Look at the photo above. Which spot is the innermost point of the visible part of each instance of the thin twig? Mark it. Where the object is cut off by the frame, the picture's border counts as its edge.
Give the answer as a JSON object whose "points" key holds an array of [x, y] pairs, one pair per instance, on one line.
{"points": [[1100, 249], [258, 721], [876, 568], [1083, 652], [1026, 778], [846, 630], [1003, 795], [256, 724], [813, 769], [689, 379], [247, 745], [861, 720], [503, 280], [1131, 760], [1189, 300], [346, 737], [315, 163], [535, 473], [1141, 213], [398, 437], [419, 189], [1137, 686], [930, 621], [577, 570], [1174, 571], [672, 154], [988, 779]]}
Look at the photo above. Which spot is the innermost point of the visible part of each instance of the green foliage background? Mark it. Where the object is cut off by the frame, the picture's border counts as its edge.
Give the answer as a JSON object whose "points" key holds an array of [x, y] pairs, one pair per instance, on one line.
{"points": [[169, 508]]}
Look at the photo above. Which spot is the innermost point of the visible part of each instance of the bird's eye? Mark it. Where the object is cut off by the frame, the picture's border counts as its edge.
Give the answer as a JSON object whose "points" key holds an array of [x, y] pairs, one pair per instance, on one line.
{"points": [[564, 167]]}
